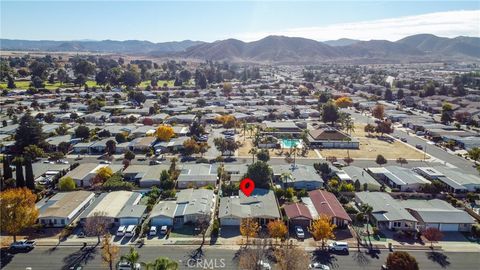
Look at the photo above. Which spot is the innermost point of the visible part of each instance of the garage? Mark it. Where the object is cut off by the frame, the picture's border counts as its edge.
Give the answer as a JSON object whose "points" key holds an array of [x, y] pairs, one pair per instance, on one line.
{"points": [[432, 225], [160, 221], [129, 221], [449, 227], [230, 221]]}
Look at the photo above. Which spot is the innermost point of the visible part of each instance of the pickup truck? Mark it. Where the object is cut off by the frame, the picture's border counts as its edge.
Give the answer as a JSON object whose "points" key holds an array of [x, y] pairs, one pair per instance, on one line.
{"points": [[23, 244]]}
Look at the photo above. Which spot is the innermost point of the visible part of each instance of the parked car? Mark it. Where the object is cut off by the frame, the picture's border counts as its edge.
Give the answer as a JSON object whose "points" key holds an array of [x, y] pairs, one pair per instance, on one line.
{"points": [[81, 235], [164, 229], [319, 266], [384, 267], [123, 265], [155, 162], [420, 133], [121, 231], [418, 146], [62, 161], [23, 245], [105, 162], [153, 231], [130, 232], [203, 138], [299, 232], [338, 246], [264, 265], [403, 139], [337, 164]]}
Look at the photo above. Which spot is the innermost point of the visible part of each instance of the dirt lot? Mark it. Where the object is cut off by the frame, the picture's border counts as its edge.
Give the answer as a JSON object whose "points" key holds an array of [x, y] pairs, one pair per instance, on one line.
{"points": [[371, 146]]}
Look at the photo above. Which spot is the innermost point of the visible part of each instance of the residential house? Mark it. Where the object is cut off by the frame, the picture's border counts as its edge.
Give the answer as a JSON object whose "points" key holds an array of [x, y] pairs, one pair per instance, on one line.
{"points": [[61, 209], [298, 176], [454, 180], [190, 206], [331, 138], [260, 205], [387, 212], [84, 173], [400, 178], [118, 207], [438, 214], [144, 176], [352, 174], [197, 175], [321, 202]]}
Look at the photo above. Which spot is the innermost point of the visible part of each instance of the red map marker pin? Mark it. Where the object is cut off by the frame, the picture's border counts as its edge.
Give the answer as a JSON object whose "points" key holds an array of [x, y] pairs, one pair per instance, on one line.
{"points": [[247, 186]]}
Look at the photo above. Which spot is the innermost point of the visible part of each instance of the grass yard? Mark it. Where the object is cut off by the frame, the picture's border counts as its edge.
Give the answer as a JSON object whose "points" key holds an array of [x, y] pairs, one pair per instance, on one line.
{"points": [[49, 86], [370, 147], [160, 83]]}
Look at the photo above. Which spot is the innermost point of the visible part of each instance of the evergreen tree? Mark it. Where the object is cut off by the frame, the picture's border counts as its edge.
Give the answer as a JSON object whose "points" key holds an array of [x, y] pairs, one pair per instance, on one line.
{"points": [[30, 181], [29, 132], [19, 172], [7, 171]]}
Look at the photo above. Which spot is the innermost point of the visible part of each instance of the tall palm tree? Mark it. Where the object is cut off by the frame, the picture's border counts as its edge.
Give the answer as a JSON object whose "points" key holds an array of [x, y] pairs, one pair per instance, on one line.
{"points": [[253, 151], [132, 257], [161, 263]]}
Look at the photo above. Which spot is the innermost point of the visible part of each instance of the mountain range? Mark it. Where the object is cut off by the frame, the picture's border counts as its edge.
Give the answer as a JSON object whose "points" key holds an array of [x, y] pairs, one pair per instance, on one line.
{"points": [[279, 49]]}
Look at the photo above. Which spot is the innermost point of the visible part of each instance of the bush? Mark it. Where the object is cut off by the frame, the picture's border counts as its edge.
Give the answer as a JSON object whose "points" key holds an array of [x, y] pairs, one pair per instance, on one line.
{"points": [[350, 210], [343, 200], [375, 230], [215, 227], [360, 217], [302, 193], [66, 184], [476, 230]]}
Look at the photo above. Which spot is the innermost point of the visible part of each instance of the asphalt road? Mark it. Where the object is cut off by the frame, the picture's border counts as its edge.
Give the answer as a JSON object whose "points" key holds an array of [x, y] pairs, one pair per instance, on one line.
{"points": [[430, 149], [215, 258]]}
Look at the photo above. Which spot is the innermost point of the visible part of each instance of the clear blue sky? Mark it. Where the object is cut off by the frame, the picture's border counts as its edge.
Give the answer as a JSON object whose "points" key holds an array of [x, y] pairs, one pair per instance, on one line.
{"points": [[159, 21]]}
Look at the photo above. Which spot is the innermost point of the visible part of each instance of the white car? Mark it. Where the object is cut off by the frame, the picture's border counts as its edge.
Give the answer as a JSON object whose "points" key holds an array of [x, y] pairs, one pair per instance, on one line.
{"points": [[338, 246], [128, 266], [130, 232], [319, 266], [121, 231], [264, 265], [299, 232], [105, 162], [153, 231], [164, 229]]}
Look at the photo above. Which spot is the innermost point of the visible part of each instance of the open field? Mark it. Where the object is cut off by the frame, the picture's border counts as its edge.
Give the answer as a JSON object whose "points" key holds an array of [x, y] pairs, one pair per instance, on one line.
{"points": [[371, 146]]}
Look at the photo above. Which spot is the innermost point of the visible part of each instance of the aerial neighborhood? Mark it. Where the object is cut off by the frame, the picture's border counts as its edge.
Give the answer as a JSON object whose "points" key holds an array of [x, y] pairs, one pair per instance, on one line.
{"points": [[153, 152]]}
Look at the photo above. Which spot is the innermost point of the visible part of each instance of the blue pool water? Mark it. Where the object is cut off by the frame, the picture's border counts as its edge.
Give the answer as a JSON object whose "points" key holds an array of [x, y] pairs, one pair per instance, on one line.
{"points": [[290, 143]]}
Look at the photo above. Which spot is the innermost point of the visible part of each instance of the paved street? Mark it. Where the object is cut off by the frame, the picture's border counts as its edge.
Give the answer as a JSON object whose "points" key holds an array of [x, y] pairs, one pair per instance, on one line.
{"points": [[220, 258]]}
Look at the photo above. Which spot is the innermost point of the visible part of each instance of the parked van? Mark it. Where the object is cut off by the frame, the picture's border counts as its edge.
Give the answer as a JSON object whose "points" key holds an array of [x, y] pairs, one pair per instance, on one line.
{"points": [[130, 232], [121, 231], [164, 229]]}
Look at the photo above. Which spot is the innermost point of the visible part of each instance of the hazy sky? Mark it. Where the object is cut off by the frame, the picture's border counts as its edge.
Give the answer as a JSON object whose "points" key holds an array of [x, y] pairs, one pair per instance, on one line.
{"points": [[160, 21]]}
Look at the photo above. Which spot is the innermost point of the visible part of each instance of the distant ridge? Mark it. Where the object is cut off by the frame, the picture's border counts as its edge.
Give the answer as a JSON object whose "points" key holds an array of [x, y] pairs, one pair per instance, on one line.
{"points": [[341, 42], [278, 49], [127, 46]]}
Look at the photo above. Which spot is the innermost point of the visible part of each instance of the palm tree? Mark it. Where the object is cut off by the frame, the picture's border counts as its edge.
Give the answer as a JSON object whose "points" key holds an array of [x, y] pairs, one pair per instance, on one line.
{"points": [[253, 151], [349, 126], [132, 257], [161, 263]]}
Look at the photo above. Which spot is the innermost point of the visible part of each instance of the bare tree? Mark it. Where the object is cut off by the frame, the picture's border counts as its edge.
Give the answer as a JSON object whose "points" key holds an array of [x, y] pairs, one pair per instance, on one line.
{"points": [[96, 225], [291, 257]]}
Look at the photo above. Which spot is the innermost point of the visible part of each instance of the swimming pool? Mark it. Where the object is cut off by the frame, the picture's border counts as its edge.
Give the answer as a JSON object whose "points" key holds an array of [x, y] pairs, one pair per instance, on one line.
{"points": [[291, 143]]}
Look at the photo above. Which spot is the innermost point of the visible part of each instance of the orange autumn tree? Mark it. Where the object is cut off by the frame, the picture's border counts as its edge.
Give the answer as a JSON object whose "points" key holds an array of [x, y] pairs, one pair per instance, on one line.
{"points": [[343, 102], [277, 229], [165, 132], [249, 228], [17, 210], [322, 229], [228, 121]]}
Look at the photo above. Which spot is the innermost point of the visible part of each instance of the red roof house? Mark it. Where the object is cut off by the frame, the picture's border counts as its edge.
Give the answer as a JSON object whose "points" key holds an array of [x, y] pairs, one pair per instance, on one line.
{"points": [[325, 203]]}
